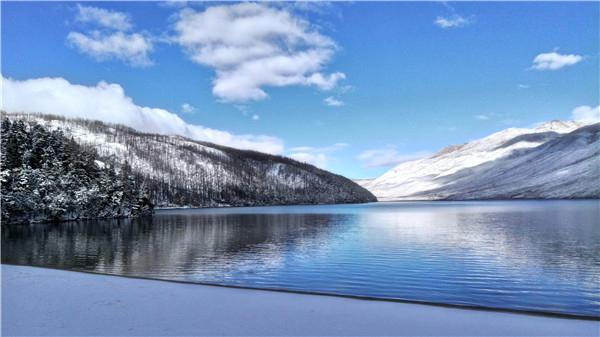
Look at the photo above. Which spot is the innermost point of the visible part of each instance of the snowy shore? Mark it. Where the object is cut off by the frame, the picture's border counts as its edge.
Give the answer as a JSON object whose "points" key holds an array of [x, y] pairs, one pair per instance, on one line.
{"points": [[37, 301]]}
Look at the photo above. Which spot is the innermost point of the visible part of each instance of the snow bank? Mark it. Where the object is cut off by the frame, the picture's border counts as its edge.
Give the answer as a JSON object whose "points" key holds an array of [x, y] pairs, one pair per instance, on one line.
{"points": [[37, 301]]}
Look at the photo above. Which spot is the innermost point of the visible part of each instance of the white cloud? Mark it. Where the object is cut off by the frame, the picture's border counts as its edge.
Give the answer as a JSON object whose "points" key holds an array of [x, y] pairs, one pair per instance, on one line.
{"points": [[102, 17], [255, 117], [252, 46], [555, 61], [317, 156], [130, 48], [586, 113], [332, 101], [187, 108], [482, 117], [111, 42], [388, 156], [108, 103], [523, 86], [454, 21]]}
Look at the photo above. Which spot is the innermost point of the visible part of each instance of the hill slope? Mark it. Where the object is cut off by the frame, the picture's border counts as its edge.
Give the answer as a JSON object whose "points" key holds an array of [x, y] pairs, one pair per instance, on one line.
{"points": [[182, 172], [557, 159], [46, 176]]}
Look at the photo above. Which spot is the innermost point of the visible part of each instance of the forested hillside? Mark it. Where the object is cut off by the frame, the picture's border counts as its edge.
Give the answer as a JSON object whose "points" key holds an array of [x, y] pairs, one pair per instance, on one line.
{"points": [[46, 176], [180, 172]]}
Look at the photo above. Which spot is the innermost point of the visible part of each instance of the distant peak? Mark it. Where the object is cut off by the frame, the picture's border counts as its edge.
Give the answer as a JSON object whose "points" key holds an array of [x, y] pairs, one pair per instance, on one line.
{"points": [[558, 126]]}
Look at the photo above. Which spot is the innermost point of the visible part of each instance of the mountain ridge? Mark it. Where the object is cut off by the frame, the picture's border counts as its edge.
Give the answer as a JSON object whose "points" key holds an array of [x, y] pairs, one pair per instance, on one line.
{"points": [[187, 173], [504, 165]]}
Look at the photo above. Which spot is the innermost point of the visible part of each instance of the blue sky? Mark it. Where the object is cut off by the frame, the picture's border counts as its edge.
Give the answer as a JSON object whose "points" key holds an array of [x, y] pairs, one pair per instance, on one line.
{"points": [[352, 87]]}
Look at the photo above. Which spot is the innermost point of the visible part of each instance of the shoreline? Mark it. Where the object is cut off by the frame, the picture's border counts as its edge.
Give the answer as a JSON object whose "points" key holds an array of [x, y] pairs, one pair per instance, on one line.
{"points": [[175, 208], [400, 201], [96, 299], [561, 315], [168, 208]]}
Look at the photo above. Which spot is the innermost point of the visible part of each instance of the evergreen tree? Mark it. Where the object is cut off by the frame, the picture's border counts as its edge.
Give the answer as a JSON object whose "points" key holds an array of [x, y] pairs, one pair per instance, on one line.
{"points": [[46, 176]]}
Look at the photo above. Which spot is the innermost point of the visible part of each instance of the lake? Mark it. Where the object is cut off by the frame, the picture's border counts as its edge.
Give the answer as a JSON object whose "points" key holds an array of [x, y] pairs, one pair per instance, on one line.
{"points": [[526, 255]]}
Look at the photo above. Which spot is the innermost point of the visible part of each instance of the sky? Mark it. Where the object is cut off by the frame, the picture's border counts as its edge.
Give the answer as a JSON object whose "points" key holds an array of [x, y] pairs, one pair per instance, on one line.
{"points": [[352, 87]]}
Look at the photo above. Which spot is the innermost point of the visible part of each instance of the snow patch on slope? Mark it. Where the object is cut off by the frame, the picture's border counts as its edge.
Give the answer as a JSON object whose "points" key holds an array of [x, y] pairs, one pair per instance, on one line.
{"points": [[185, 172], [429, 178]]}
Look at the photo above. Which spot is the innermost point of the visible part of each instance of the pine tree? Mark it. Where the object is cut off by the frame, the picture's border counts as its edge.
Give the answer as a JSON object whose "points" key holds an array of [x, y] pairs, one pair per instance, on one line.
{"points": [[48, 177]]}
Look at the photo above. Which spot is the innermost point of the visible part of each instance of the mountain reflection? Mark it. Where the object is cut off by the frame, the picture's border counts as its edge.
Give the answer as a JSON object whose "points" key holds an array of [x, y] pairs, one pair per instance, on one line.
{"points": [[148, 246], [536, 255]]}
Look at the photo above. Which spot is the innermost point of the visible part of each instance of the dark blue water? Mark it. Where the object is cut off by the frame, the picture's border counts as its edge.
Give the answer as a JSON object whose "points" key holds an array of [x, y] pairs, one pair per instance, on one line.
{"points": [[531, 255]]}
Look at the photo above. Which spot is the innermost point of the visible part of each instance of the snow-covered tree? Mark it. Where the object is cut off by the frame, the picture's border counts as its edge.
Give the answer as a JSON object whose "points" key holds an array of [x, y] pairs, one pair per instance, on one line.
{"points": [[46, 176]]}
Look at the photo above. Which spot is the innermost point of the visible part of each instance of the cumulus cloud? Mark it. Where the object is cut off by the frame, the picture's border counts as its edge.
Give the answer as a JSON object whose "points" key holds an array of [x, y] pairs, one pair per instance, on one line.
{"points": [[108, 102], [454, 21], [317, 156], [103, 17], [387, 156], [130, 48], [332, 101], [111, 42], [555, 61], [254, 45], [586, 113]]}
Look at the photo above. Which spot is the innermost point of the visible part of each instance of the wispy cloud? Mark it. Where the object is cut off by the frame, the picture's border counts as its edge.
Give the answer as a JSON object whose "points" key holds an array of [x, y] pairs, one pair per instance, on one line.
{"points": [[110, 40], [318, 7], [103, 17], [586, 113], [499, 118], [173, 3], [187, 108], [387, 156], [452, 21], [555, 61], [332, 101], [318, 156], [254, 45], [108, 102]]}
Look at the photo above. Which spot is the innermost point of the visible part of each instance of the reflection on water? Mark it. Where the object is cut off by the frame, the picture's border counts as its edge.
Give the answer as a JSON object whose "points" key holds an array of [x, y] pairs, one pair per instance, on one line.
{"points": [[536, 255]]}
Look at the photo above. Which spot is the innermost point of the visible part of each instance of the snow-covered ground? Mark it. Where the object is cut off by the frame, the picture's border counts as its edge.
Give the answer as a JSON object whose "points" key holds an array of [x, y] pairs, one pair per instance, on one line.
{"points": [[37, 301]]}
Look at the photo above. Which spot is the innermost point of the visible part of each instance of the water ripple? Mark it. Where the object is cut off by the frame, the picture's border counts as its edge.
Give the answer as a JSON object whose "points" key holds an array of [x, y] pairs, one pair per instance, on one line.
{"points": [[539, 255]]}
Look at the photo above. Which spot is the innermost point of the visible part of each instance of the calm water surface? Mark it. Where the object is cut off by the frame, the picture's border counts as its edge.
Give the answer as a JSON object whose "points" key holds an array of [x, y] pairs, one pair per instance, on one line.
{"points": [[533, 255]]}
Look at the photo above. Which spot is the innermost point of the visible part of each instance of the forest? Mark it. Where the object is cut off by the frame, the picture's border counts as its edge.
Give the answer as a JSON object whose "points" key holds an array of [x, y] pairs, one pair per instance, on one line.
{"points": [[46, 176], [54, 169]]}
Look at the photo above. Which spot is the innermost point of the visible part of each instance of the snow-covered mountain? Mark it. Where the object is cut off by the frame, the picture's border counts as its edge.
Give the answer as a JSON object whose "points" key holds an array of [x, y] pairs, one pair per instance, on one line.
{"points": [[183, 172], [556, 159]]}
